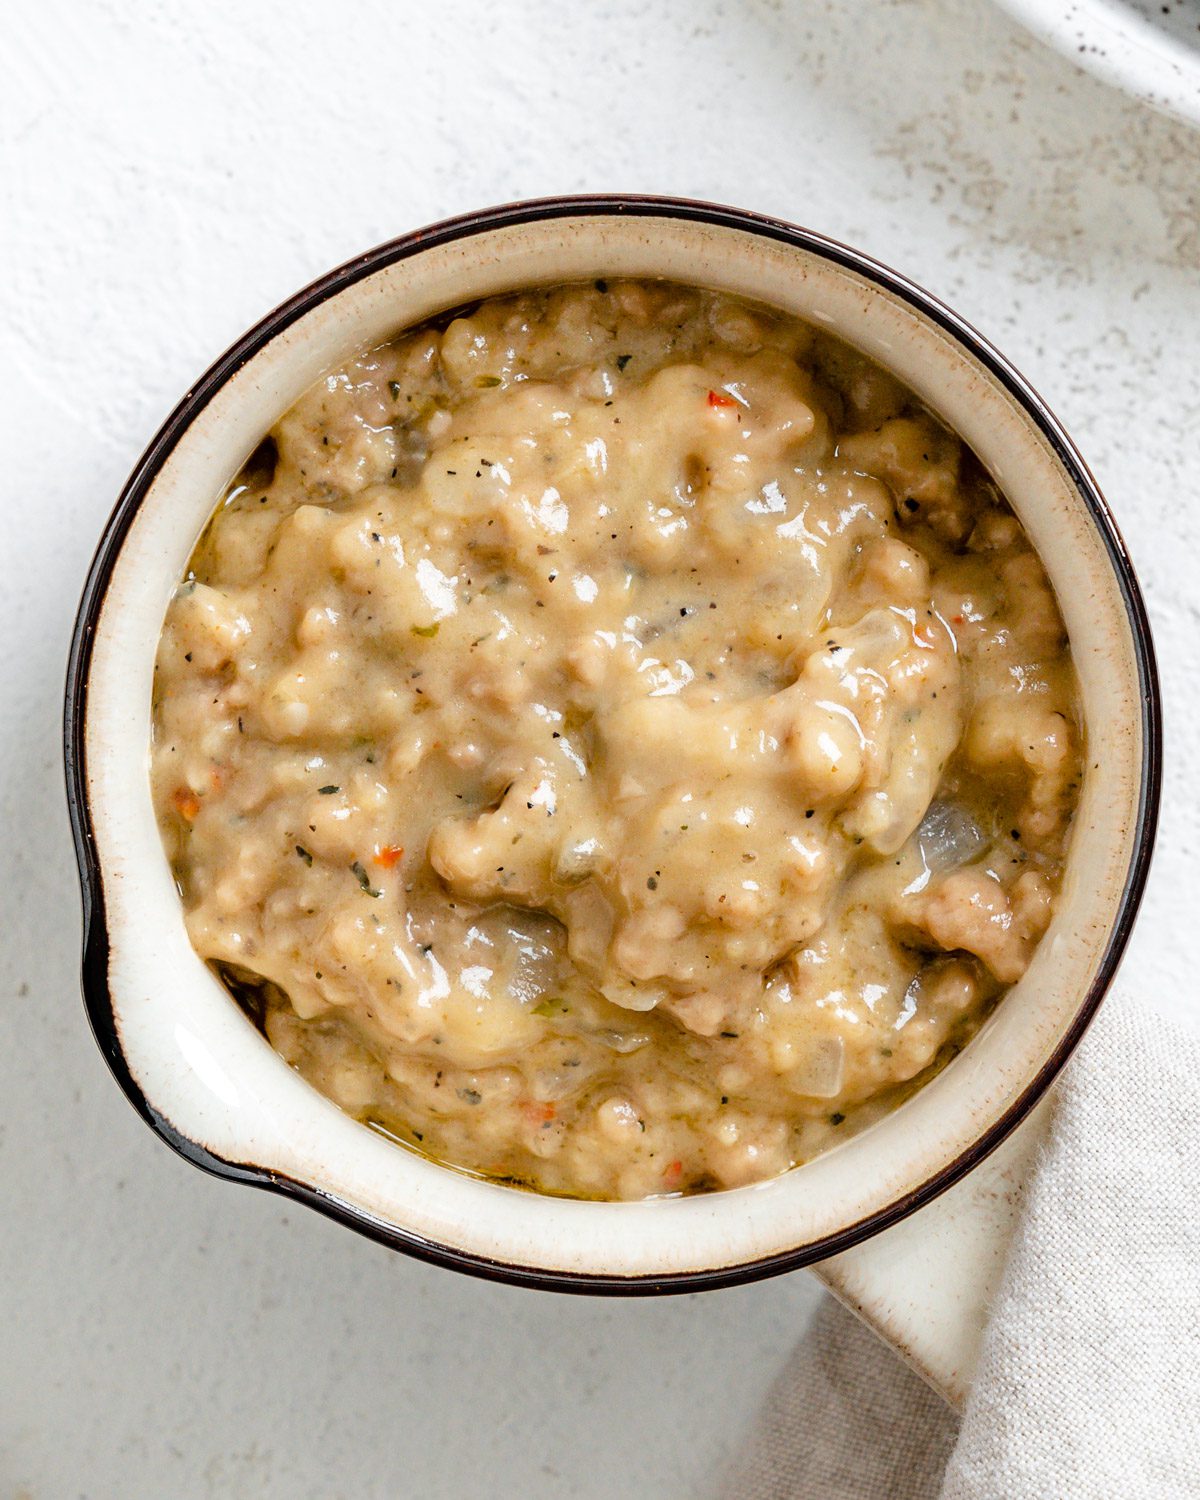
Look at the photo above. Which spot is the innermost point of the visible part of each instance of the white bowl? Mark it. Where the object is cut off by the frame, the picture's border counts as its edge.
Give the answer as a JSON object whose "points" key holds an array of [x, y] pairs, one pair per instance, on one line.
{"points": [[205, 1078], [1148, 49]]}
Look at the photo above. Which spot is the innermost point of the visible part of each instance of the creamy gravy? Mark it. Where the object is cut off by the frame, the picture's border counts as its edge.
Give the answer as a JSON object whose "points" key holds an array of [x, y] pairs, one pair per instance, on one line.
{"points": [[616, 741]]}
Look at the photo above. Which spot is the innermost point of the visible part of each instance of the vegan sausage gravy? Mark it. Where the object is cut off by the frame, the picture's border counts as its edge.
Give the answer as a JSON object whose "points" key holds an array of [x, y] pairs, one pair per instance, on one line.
{"points": [[615, 740]]}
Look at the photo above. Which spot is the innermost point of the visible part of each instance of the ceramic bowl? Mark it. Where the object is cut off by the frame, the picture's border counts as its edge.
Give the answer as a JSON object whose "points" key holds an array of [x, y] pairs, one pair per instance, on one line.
{"points": [[1149, 49], [206, 1080]]}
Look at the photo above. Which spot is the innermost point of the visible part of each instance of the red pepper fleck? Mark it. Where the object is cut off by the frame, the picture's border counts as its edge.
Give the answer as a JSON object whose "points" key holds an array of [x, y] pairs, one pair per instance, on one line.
{"points": [[673, 1173], [187, 804], [538, 1114], [388, 855], [719, 398]]}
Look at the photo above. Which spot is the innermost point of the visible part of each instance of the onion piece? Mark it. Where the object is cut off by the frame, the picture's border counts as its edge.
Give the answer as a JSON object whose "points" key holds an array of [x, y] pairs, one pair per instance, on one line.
{"points": [[822, 1074], [948, 836]]}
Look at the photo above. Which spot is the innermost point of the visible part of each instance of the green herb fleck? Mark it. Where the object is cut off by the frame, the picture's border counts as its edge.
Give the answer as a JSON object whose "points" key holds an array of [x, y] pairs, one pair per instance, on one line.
{"points": [[470, 1096], [394, 388], [836, 1119], [427, 631], [304, 854], [364, 879], [326, 791], [551, 1006], [484, 382], [729, 1033], [623, 360]]}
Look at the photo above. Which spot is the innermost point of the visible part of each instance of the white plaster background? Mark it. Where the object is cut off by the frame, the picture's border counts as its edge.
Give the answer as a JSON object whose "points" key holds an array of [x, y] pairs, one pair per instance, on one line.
{"points": [[171, 171]]}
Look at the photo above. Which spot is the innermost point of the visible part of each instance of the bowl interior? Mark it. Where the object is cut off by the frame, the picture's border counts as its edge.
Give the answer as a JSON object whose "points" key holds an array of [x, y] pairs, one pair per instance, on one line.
{"points": [[197, 1062]]}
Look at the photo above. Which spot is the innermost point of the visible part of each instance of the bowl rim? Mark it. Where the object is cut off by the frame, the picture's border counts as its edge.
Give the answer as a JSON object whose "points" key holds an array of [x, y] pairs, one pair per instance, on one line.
{"points": [[98, 999]]}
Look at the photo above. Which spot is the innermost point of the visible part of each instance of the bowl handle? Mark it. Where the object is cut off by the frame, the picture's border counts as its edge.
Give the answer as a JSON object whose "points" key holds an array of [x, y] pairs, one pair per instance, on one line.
{"points": [[926, 1284]]}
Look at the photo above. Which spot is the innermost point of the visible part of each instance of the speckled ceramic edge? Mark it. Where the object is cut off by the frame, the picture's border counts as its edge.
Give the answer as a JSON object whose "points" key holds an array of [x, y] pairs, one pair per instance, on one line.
{"points": [[100, 1004], [1126, 50]]}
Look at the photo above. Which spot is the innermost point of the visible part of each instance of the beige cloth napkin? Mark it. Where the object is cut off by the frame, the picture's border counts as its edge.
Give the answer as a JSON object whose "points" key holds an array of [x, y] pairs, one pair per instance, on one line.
{"points": [[1089, 1380]]}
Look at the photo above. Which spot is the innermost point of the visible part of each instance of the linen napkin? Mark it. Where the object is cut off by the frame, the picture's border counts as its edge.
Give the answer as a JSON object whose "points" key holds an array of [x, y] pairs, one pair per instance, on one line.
{"points": [[1089, 1378]]}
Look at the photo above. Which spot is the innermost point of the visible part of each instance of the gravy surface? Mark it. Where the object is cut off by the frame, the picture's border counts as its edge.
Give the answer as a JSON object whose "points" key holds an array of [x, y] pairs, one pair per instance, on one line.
{"points": [[617, 742]]}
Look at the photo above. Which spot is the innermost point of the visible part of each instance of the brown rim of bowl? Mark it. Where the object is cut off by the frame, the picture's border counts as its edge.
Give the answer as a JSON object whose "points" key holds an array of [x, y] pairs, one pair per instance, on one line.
{"points": [[97, 997]]}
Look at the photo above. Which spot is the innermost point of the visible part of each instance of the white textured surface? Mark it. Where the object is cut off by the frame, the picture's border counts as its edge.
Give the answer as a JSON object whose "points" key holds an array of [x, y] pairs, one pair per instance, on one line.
{"points": [[169, 173]]}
